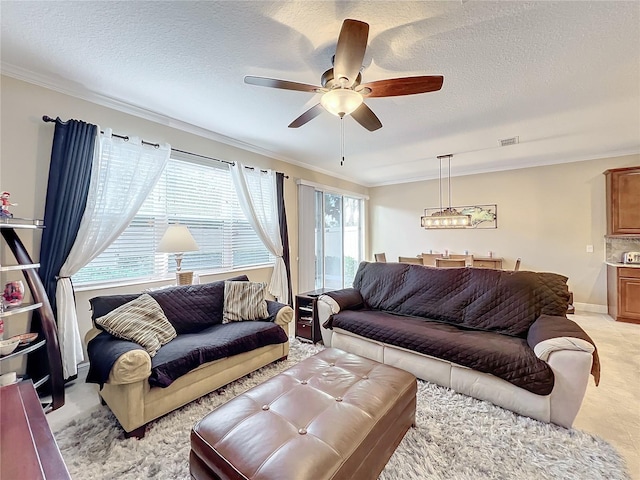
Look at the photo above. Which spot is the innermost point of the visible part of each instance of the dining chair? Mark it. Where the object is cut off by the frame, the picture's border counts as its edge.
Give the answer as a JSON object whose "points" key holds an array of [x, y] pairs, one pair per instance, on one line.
{"points": [[451, 262], [468, 259], [380, 257], [429, 259], [415, 260]]}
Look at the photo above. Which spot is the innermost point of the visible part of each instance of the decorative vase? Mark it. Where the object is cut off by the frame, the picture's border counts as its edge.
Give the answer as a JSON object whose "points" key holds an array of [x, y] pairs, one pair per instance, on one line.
{"points": [[13, 294]]}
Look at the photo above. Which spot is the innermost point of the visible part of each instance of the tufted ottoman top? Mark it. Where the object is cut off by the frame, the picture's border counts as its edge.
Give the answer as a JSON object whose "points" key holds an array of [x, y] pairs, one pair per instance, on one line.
{"points": [[326, 417]]}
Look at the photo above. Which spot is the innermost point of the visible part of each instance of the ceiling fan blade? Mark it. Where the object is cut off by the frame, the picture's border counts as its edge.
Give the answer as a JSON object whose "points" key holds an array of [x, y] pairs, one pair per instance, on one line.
{"points": [[307, 116], [394, 87], [352, 44], [283, 84], [365, 117]]}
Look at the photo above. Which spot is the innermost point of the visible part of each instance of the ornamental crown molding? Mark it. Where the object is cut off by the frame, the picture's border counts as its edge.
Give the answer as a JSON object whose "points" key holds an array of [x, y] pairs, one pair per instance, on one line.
{"points": [[67, 87]]}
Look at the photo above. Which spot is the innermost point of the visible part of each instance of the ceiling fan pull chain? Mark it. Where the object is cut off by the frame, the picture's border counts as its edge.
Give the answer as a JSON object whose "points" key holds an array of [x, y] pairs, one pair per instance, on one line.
{"points": [[342, 140]]}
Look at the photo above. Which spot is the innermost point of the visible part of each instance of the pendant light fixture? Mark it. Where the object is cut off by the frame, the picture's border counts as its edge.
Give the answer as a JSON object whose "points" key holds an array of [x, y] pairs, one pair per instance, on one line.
{"points": [[445, 217]]}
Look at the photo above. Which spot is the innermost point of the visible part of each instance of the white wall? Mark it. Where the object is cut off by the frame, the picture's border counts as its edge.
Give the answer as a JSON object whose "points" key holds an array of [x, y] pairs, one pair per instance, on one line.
{"points": [[546, 215], [25, 150]]}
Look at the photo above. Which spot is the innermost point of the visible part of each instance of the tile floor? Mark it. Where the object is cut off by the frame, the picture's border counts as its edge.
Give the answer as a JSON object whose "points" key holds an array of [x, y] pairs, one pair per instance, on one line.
{"points": [[610, 411]]}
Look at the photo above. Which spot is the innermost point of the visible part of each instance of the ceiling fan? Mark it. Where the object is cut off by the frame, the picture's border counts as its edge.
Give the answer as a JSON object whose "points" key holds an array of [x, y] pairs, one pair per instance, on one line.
{"points": [[342, 90]]}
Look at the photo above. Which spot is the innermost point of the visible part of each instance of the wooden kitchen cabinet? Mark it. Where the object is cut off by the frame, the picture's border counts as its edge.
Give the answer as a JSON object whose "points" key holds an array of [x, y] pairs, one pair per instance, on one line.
{"points": [[623, 201], [623, 293]]}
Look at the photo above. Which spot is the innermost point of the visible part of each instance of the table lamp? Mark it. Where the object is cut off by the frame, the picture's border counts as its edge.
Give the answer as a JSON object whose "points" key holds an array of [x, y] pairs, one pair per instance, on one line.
{"points": [[178, 239]]}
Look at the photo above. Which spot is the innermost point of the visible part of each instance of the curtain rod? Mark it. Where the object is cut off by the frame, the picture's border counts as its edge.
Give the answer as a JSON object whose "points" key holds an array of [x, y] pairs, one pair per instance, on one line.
{"points": [[47, 118]]}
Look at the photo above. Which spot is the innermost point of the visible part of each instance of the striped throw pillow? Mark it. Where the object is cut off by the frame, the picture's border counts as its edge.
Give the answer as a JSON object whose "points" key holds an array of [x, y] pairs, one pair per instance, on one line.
{"points": [[141, 321], [244, 301]]}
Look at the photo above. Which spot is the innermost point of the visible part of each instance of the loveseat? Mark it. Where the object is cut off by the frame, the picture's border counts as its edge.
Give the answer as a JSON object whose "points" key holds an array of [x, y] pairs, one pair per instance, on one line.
{"points": [[203, 355], [494, 335]]}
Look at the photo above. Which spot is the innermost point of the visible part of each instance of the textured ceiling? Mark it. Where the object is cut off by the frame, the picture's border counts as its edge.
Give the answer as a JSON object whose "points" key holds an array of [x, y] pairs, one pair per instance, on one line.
{"points": [[563, 76]]}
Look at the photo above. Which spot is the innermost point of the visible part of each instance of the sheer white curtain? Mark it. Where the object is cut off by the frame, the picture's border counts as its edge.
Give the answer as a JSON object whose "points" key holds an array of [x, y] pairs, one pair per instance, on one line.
{"points": [[256, 192], [122, 176]]}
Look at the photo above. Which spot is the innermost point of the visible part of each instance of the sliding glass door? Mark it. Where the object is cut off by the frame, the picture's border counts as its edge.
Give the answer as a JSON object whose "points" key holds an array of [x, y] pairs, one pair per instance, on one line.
{"points": [[338, 238], [353, 236]]}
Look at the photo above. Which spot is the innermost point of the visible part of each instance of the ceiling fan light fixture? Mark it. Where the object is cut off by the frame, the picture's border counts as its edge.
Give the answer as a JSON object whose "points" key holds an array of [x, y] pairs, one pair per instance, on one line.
{"points": [[341, 101], [342, 89]]}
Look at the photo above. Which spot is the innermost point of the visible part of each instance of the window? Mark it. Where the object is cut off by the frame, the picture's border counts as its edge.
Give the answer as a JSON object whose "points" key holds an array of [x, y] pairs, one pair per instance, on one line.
{"points": [[192, 193]]}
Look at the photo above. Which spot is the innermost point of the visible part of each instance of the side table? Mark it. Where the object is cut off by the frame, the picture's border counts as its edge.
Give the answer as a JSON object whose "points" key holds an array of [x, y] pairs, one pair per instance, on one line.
{"points": [[306, 313]]}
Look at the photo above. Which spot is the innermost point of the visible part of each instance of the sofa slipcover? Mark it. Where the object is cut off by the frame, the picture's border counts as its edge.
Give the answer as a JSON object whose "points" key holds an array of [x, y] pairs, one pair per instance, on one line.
{"points": [[482, 304], [138, 390], [504, 356]]}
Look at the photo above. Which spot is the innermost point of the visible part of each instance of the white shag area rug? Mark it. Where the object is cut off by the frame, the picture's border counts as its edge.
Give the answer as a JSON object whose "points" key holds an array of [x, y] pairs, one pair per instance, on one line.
{"points": [[456, 437]]}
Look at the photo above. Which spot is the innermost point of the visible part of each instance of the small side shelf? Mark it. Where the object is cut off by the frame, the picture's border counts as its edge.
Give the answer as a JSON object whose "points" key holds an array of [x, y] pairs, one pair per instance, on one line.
{"points": [[12, 268], [21, 223], [24, 350], [42, 381], [21, 309]]}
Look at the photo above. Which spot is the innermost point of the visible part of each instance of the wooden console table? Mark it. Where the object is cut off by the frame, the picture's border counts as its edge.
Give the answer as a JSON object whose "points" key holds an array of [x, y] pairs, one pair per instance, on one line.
{"points": [[29, 449]]}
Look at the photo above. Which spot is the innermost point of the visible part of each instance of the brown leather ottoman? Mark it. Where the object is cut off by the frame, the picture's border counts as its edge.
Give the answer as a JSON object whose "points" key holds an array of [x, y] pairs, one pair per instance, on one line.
{"points": [[334, 415]]}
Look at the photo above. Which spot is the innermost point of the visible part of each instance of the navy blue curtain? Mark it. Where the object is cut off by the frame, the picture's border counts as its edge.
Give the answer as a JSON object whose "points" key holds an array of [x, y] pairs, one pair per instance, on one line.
{"points": [[284, 231], [67, 189]]}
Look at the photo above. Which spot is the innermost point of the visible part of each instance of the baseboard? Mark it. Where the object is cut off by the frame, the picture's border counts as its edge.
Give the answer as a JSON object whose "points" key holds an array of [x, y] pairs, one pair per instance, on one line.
{"points": [[590, 307]]}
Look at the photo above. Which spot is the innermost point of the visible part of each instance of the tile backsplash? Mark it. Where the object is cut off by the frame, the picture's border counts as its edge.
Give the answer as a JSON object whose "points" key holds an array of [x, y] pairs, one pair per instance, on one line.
{"points": [[616, 246]]}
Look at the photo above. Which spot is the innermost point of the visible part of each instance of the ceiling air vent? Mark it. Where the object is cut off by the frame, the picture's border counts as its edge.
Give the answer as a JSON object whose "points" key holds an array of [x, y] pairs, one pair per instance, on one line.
{"points": [[505, 142]]}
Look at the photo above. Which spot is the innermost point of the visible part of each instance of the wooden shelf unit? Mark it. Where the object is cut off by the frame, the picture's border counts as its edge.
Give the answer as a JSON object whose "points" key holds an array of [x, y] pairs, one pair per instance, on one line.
{"points": [[46, 348]]}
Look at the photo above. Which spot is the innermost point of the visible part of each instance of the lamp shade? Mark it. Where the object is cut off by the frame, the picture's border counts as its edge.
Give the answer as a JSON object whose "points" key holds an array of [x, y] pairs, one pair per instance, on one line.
{"points": [[177, 239], [341, 101]]}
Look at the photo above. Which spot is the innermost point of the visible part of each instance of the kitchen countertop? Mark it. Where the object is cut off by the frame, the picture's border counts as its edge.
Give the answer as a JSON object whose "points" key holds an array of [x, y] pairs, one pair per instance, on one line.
{"points": [[620, 264]]}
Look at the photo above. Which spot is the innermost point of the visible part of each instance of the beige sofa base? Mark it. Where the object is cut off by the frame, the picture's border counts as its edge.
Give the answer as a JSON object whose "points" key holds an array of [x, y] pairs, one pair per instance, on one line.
{"points": [[136, 404], [571, 369]]}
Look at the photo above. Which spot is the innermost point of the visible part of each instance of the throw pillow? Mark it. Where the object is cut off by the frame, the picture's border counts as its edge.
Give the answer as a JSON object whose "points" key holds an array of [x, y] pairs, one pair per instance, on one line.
{"points": [[244, 301], [141, 321]]}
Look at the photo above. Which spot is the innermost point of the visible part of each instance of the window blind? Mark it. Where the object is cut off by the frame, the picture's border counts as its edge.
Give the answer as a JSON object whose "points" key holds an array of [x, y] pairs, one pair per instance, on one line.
{"points": [[199, 195], [307, 244]]}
